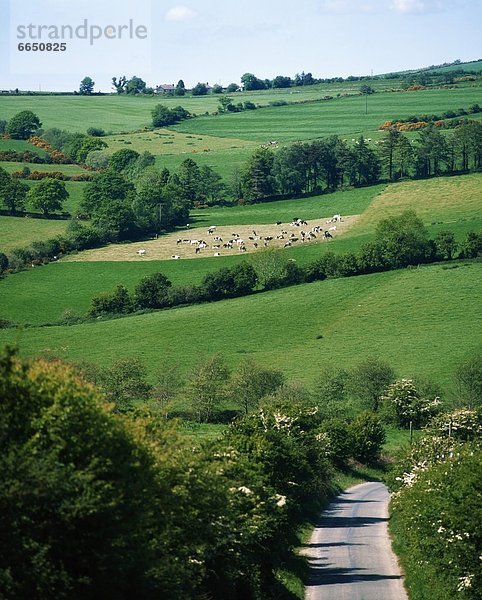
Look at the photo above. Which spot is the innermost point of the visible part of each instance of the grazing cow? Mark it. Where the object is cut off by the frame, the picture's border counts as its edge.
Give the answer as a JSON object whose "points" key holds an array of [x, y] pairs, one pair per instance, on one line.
{"points": [[327, 235], [279, 222], [198, 250], [287, 245], [211, 229], [217, 254], [141, 252], [179, 241], [332, 228], [175, 257]]}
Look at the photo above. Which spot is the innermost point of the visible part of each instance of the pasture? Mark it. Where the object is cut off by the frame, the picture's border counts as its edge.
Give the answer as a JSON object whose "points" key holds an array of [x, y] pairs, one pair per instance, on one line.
{"points": [[10, 167], [345, 116], [19, 232], [41, 295], [423, 321]]}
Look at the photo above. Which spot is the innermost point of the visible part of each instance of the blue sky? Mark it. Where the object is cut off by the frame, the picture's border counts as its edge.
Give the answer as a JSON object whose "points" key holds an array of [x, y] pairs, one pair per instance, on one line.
{"points": [[216, 41]]}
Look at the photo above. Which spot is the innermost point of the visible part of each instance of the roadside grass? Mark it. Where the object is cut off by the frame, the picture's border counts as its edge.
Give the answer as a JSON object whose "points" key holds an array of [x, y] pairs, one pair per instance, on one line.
{"points": [[422, 321]]}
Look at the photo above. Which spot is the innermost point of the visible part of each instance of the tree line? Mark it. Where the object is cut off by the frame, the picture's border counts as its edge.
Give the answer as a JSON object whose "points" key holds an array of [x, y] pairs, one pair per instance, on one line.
{"points": [[331, 163]]}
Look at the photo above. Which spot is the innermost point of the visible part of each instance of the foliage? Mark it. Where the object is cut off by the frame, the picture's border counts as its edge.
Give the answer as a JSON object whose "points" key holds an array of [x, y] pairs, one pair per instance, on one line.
{"points": [[76, 483], [48, 195], [472, 245], [206, 387], [468, 377], [250, 383], [403, 240], [368, 437], [108, 303], [23, 125], [12, 192], [436, 514], [230, 282], [368, 380], [405, 405], [163, 116], [86, 86], [152, 291]]}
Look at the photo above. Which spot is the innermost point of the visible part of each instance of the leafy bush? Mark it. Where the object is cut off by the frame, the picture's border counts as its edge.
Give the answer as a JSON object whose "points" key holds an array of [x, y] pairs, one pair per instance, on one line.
{"points": [[403, 404], [111, 303], [368, 437], [152, 291], [436, 518]]}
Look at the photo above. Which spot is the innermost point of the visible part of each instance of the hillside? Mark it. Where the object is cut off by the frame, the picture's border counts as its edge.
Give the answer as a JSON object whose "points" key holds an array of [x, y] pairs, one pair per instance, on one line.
{"points": [[423, 321]]}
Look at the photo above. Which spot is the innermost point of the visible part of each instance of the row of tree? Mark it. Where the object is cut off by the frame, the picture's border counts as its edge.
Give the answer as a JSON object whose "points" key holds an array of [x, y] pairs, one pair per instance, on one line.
{"points": [[331, 162]]}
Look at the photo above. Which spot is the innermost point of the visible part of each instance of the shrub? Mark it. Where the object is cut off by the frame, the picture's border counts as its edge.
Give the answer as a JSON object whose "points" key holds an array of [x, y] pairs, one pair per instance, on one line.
{"points": [[95, 132], [111, 303], [404, 404], [152, 291], [472, 245], [230, 282], [368, 437]]}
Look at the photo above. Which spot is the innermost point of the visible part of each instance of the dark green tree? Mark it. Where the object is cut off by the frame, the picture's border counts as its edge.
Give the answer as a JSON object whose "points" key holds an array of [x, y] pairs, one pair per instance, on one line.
{"points": [[12, 192], [258, 177], [86, 86], [152, 291], [23, 125], [122, 159], [47, 195], [200, 89], [180, 88]]}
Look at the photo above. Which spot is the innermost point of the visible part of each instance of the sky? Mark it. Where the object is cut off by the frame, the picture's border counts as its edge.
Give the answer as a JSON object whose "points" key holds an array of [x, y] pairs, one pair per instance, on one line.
{"points": [[217, 41]]}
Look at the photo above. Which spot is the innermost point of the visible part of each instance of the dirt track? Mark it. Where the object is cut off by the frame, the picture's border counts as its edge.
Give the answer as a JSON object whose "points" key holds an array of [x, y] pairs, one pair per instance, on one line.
{"points": [[167, 246]]}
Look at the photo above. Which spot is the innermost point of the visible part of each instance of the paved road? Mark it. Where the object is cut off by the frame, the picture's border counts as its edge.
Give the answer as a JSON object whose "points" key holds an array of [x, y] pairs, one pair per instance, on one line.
{"points": [[350, 551]]}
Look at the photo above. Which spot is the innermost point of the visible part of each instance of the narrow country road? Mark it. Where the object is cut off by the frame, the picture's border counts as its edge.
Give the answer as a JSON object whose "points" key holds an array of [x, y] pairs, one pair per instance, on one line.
{"points": [[350, 551]]}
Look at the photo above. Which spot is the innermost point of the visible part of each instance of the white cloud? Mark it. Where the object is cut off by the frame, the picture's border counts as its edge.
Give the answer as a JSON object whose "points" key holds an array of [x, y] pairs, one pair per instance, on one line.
{"points": [[180, 13]]}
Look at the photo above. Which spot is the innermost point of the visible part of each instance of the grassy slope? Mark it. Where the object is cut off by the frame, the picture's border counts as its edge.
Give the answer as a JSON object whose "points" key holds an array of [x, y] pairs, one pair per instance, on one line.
{"points": [[43, 294], [342, 116], [67, 169], [71, 286], [17, 232], [113, 112], [19, 146], [422, 321]]}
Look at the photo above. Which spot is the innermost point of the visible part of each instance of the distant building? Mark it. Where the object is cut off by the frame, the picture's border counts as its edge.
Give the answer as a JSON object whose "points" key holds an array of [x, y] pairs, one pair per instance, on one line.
{"points": [[165, 88]]}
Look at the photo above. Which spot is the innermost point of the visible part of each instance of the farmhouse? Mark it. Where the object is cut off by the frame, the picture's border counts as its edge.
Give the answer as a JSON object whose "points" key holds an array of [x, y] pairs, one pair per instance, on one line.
{"points": [[165, 88]]}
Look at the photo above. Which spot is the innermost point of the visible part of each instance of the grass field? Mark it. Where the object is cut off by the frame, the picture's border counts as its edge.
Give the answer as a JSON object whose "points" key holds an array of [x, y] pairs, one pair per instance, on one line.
{"points": [[423, 321], [67, 169], [18, 232], [19, 146], [41, 295], [340, 116]]}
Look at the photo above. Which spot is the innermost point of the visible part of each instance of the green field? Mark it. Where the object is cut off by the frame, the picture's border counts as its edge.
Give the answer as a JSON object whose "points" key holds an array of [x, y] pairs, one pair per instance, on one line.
{"points": [[19, 146], [18, 232], [340, 116], [67, 169], [43, 294], [423, 321]]}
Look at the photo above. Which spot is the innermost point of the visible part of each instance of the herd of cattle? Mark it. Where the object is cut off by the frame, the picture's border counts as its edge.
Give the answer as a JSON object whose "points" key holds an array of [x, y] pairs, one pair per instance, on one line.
{"points": [[298, 231]]}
